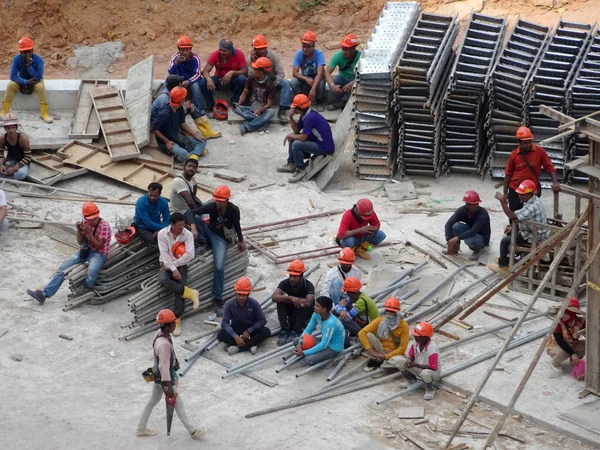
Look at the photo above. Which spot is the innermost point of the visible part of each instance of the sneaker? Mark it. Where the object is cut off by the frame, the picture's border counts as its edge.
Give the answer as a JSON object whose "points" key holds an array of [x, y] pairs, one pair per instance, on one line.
{"points": [[219, 311], [557, 369], [253, 349], [38, 295], [297, 176], [369, 368], [145, 432], [291, 336], [233, 349], [429, 392], [320, 107], [282, 114], [477, 252], [81, 289], [198, 433], [282, 339], [502, 270], [287, 168], [336, 105], [242, 130]]}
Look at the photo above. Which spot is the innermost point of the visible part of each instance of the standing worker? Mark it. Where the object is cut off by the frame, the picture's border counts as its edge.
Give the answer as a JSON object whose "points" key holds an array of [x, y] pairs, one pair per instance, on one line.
{"points": [[345, 60], [359, 229], [308, 71], [469, 223], [16, 151], [165, 377], [334, 278], [358, 309], [525, 163], [26, 77]]}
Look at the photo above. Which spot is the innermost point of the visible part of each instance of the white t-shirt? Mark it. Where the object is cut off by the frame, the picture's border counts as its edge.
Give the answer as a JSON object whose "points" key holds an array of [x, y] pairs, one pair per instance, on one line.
{"points": [[2, 198], [179, 184]]}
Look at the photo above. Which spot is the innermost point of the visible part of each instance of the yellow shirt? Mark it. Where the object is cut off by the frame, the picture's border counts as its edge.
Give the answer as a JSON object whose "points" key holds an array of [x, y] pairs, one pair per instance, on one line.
{"points": [[394, 345]]}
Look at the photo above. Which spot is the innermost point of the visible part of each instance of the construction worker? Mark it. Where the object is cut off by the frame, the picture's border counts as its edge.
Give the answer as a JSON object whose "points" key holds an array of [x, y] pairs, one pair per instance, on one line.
{"points": [[295, 299], [151, 215], [386, 338], [422, 360], [165, 377], [260, 92], [469, 223], [345, 60], [332, 338], [3, 213], [26, 77], [308, 69], [357, 309], [359, 229], [16, 152], [276, 75], [230, 69], [93, 235], [243, 325], [168, 125], [334, 278], [176, 247], [223, 228], [312, 136], [525, 163], [565, 344], [532, 210]]}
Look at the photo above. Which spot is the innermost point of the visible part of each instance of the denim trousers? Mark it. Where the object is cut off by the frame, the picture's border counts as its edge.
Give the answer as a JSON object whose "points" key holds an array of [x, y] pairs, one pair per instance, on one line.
{"points": [[298, 151], [95, 260], [285, 93], [187, 146], [300, 87], [237, 86], [373, 239], [219, 249], [341, 81], [474, 242], [253, 123]]}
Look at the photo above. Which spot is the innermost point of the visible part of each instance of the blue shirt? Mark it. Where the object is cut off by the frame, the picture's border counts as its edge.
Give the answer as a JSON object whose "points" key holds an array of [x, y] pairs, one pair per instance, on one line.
{"points": [[167, 121], [190, 70], [332, 331], [20, 73], [250, 316], [151, 216], [162, 101], [316, 127], [308, 67]]}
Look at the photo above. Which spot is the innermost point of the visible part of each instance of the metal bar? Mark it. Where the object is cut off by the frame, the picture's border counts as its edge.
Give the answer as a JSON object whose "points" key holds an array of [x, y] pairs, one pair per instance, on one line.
{"points": [[339, 366], [435, 289], [295, 219]]}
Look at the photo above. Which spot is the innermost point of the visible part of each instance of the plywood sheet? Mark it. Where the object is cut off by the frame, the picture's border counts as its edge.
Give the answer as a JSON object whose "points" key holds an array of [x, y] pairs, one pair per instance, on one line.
{"points": [[138, 99], [586, 416], [85, 124], [39, 173], [54, 162]]}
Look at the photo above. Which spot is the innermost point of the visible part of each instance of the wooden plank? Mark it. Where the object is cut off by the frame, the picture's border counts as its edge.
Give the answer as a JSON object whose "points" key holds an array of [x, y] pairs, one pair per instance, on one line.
{"points": [[138, 99], [318, 164], [52, 161], [411, 412], [39, 173], [84, 124]]}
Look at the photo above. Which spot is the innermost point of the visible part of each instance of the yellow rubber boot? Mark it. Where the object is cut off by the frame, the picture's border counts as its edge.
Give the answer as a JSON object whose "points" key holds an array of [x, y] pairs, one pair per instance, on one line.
{"points": [[177, 330], [5, 107], [40, 89], [362, 251], [44, 113], [191, 294], [204, 125]]}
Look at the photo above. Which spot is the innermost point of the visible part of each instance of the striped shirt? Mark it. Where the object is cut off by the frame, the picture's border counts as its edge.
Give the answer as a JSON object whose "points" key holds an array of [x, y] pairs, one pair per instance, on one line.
{"points": [[534, 210], [190, 69]]}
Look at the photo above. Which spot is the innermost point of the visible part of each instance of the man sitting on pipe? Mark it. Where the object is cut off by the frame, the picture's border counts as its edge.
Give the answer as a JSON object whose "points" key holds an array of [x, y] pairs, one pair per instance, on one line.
{"points": [[566, 344], [151, 215], [334, 278], [243, 324], [358, 309], [332, 331], [359, 229], [469, 223]]}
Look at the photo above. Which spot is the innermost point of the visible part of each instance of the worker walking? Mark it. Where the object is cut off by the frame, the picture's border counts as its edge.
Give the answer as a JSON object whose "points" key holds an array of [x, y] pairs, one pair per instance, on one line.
{"points": [[165, 377], [345, 60], [3, 212], [308, 71], [27, 77], [469, 223], [243, 325], [357, 309], [16, 151], [176, 247], [93, 235], [359, 229], [151, 215], [566, 343], [334, 278]]}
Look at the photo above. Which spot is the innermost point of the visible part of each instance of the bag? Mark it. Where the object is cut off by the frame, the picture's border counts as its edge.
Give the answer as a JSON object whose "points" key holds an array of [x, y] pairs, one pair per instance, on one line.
{"points": [[148, 375], [84, 250], [26, 89]]}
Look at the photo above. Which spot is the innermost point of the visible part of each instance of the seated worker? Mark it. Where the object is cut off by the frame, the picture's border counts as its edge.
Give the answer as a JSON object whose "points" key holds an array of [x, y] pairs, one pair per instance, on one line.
{"points": [[334, 278], [276, 75], [295, 299], [16, 152], [176, 247], [358, 309], [565, 344], [332, 334], [151, 215], [533, 209], [308, 68], [260, 92], [230, 69], [26, 77], [359, 229], [469, 223], [243, 324], [188, 65], [3, 213], [422, 360], [385, 338], [312, 136], [93, 235], [345, 60]]}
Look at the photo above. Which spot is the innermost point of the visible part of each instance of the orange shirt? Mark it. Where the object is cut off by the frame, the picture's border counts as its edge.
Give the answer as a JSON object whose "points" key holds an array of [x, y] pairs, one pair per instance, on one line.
{"points": [[518, 169]]}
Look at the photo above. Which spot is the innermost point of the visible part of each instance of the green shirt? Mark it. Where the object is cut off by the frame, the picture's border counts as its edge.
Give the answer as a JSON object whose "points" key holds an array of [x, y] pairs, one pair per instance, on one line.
{"points": [[366, 307], [345, 70]]}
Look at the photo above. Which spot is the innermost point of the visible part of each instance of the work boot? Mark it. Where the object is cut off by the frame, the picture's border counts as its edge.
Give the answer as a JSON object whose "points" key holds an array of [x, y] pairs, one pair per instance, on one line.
{"points": [[287, 168], [44, 113], [144, 432], [477, 252], [233, 349], [81, 289], [5, 108], [203, 125], [297, 175], [198, 433], [191, 294], [291, 336], [502, 270], [38, 295], [282, 339], [282, 114], [336, 105], [218, 307], [320, 107], [362, 251], [429, 391], [177, 331]]}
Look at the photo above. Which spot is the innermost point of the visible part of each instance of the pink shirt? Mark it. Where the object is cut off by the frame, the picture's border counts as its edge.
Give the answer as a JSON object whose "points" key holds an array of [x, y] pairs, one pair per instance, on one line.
{"points": [[163, 349], [429, 355], [102, 232]]}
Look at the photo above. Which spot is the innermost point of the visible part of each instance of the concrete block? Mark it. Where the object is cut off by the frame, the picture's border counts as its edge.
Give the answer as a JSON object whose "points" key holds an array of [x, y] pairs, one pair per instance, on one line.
{"points": [[411, 412], [404, 190]]}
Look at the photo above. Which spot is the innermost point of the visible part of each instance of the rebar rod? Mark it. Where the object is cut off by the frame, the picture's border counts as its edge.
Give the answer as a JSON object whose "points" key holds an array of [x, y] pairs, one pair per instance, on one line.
{"points": [[339, 366], [435, 289]]}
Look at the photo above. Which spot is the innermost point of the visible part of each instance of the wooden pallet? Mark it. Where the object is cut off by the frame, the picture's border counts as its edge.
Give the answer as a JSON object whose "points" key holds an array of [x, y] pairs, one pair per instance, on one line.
{"points": [[85, 124], [112, 114], [48, 169]]}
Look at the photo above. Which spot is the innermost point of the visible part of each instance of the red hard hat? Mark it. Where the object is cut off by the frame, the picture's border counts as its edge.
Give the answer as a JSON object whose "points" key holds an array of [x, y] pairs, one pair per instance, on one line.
{"points": [[352, 284], [309, 37], [423, 329], [472, 198], [25, 43], [221, 110], [260, 41], [350, 40], [364, 207], [243, 286], [90, 210], [346, 256], [165, 316], [392, 304], [222, 193], [125, 236], [184, 42], [308, 341], [178, 249], [524, 134], [300, 101], [262, 63], [296, 267], [10, 119], [575, 306], [526, 187]]}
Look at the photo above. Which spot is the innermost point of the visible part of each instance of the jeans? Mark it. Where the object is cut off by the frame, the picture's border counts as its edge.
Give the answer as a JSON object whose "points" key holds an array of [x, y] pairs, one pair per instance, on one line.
{"points": [[292, 318], [341, 81], [285, 93], [474, 242], [4, 225], [219, 249], [187, 146], [197, 100], [176, 287], [503, 260], [374, 239], [298, 151], [254, 123], [335, 291], [256, 338], [316, 358], [21, 173], [237, 86], [95, 260], [157, 392], [300, 87], [147, 236]]}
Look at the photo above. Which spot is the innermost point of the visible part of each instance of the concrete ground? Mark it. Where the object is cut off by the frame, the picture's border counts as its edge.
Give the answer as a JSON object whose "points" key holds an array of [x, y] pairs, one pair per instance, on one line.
{"points": [[89, 393]]}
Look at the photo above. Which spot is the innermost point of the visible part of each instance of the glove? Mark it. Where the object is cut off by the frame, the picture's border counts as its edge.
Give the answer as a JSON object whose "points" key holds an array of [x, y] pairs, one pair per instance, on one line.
{"points": [[171, 400]]}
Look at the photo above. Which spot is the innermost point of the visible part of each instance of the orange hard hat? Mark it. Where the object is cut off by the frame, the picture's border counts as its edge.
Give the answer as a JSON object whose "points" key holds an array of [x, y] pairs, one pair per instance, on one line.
{"points": [[262, 63], [260, 41], [125, 236], [296, 267], [309, 37], [352, 284], [524, 134], [364, 207], [308, 341], [300, 101], [184, 42], [221, 110], [178, 249], [526, 187], [165, 316], [222, 193], [423, 329], [243, 286], [25, 43], [472, 198], [350, 40], [90, 210], [10, 119], [177, 96], [346, 256], [392, 304]]}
